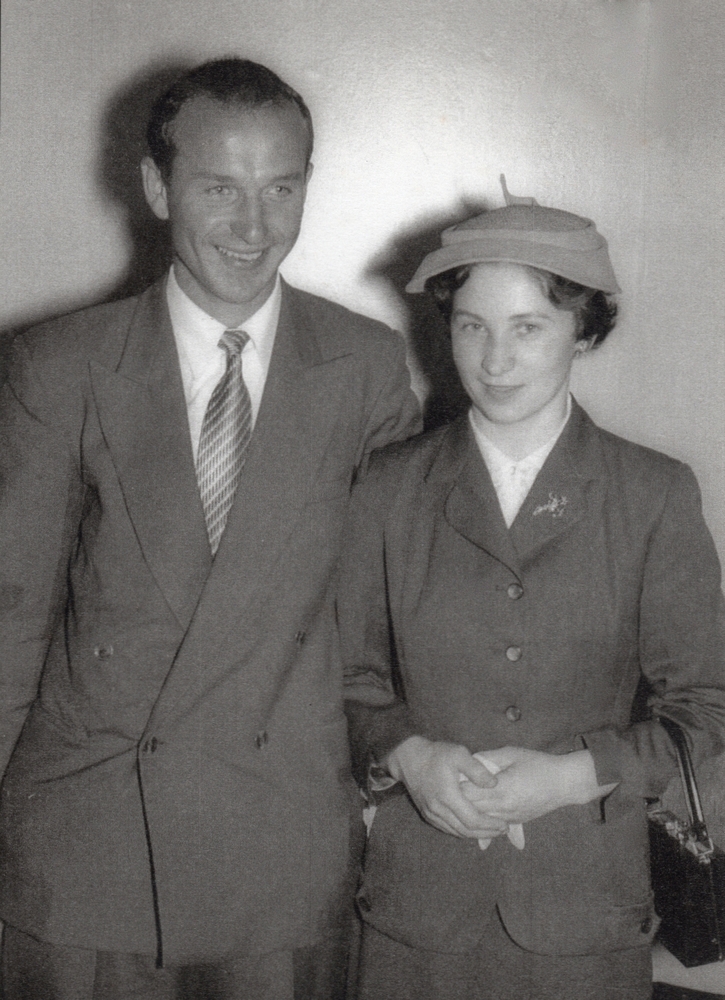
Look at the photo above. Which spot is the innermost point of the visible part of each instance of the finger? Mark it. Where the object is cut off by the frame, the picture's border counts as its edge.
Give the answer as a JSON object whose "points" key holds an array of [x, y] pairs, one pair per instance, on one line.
{"points": [[485, 831], [440, 823], [470, 820], [504, 757], [476, 772]]}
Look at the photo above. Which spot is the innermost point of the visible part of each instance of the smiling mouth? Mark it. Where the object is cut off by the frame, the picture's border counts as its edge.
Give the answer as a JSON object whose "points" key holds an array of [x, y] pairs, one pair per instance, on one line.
{"points": [[241, 257], [501, 390]]}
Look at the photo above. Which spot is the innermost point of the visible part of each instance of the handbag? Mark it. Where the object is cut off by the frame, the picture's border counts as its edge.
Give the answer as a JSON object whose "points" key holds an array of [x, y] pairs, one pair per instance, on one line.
{"points": [[688, 871]]}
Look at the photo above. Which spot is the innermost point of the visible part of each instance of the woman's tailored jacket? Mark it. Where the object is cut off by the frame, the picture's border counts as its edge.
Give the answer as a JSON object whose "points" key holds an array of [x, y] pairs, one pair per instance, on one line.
{"points": [[457, 628]]}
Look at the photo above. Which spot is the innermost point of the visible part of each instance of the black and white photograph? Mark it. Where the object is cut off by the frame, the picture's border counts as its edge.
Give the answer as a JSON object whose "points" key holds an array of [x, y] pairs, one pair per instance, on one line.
{"points": [[362, 464]]}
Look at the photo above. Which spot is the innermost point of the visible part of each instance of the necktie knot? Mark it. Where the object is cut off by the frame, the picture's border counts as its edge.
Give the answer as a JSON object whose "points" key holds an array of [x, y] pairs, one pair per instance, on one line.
{"points": [[233, 342]]}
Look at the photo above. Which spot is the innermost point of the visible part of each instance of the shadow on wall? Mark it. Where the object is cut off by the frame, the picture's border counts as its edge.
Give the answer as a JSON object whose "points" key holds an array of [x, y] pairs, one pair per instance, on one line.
{"points": [[121, 147], [429, 340]]}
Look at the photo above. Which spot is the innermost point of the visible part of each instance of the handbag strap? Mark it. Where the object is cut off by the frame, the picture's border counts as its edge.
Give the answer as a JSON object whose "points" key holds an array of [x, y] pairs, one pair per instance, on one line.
{"points": [[689, 784]]}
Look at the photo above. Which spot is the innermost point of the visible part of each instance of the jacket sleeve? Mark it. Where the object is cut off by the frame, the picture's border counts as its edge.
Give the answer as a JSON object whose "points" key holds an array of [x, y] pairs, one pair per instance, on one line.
{"points": [[40, 501], [681, 650], [393, 413], [378, 716]]}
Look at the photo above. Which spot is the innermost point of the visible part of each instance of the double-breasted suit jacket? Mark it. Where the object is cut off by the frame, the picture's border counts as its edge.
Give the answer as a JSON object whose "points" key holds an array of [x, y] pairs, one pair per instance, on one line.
{"points": [[181, 780], [457, 628]]}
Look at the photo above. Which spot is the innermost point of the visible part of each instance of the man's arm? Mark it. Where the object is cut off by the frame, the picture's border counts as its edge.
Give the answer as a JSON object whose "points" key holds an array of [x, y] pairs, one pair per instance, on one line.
{"points": [[394, 412], [40, 501]]}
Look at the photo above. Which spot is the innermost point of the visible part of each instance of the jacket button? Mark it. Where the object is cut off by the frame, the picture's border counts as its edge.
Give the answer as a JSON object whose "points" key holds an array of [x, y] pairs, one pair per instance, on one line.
{"points": [[646, 925], [515, 590], [513, 653], [300, 638], [364, 904], [103, 652], [513, 714], [261, 740]]}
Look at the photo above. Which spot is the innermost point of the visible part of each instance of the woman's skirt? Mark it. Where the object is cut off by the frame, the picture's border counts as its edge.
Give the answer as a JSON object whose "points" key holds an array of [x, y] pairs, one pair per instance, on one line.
{"points": [[497, 970]]}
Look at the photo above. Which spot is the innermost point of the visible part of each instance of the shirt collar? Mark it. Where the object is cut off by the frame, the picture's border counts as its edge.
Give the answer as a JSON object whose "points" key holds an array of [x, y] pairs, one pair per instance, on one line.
{"points": [[197, 333], [494, 457]]}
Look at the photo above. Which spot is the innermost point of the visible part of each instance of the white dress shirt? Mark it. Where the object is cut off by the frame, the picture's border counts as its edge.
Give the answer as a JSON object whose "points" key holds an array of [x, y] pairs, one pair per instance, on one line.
{"points": [[203, 362], [513, 479]]}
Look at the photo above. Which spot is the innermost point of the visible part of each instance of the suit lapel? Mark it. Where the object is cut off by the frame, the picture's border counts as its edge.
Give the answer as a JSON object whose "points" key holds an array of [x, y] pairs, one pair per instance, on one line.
{"points": [[288, 442], [296, 421], [558, 498], [472, 507], [143, 416]]}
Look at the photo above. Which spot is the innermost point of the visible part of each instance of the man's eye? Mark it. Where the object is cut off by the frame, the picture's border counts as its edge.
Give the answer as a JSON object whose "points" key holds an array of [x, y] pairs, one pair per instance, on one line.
{"points": [[280, 191], [219, 189]]}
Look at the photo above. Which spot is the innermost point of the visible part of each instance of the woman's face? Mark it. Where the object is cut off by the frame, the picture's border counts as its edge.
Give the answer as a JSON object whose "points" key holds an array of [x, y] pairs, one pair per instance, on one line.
{"points": [[513, 348]]}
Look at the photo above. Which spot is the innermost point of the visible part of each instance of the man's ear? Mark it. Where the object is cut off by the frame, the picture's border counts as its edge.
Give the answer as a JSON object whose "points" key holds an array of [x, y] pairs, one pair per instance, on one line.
{"points": [[308, 174], [154, 188]]}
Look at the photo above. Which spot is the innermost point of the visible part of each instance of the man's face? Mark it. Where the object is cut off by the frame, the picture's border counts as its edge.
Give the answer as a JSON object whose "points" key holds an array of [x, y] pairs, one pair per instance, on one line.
{"points": [[234, 201]]}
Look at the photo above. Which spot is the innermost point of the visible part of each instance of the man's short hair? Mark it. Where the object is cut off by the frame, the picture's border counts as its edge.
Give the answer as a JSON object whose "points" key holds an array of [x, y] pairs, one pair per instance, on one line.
{"points": [[232, 81]]}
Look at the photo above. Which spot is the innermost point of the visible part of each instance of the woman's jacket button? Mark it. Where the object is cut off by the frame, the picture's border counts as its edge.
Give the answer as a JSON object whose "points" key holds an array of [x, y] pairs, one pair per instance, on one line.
{"points": [[515, 590], [513, 653], [513, 714]]}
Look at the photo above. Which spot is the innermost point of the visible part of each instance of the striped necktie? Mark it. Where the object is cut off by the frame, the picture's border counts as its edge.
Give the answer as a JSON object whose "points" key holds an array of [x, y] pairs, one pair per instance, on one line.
{"points": [[225, 435]]}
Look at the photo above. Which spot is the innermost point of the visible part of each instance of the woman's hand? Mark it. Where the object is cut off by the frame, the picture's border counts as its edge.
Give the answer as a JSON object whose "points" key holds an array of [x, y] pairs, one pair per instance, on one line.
{"points": [[432, 773], [531, 784]]}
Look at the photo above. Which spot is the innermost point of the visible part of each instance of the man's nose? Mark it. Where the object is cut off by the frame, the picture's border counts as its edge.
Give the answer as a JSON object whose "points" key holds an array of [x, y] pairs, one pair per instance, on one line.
{"points": [[248, 222]]}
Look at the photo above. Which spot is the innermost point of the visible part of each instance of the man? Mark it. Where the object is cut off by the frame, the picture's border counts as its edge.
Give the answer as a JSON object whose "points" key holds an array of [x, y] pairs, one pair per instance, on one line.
{"points": [[177, 808]]}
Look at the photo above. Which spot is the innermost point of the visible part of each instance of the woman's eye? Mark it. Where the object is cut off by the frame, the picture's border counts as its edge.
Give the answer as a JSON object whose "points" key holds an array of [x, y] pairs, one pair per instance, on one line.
{"points": [[219, 189]]}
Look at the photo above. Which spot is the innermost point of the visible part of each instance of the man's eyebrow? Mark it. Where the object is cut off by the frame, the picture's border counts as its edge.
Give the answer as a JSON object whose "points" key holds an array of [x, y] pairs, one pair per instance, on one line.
{"points": [[229, 179]]}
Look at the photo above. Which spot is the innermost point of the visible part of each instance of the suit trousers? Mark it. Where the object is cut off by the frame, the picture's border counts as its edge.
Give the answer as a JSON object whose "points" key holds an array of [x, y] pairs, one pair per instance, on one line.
{"points": [[36, 970]]}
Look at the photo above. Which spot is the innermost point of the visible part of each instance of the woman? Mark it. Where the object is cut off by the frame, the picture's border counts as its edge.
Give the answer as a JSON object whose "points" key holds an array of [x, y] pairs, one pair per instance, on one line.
{"points": [[511, 582]]}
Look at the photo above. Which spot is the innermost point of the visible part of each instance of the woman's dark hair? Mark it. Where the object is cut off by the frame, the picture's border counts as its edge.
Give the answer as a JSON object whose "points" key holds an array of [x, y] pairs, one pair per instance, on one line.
{"points": [[595, 313], [230, 80]]}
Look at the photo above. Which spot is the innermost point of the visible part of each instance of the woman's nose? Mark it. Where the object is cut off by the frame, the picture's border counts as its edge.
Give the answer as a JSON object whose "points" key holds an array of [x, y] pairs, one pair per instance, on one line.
{"points": [[497, 355]]}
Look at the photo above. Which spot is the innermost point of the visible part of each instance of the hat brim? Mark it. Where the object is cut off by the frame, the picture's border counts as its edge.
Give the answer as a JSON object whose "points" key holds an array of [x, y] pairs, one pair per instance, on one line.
{"points": [[593, 270]]}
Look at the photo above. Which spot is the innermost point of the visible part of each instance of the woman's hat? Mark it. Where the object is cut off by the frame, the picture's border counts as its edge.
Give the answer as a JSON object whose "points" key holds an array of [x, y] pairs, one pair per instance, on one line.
{"points": [[524, 233]]}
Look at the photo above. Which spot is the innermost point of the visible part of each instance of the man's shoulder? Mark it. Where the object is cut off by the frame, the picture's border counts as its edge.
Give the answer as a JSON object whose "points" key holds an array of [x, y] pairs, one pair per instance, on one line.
{"points": [[407, 464], [335, 325], [88, 332]]}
